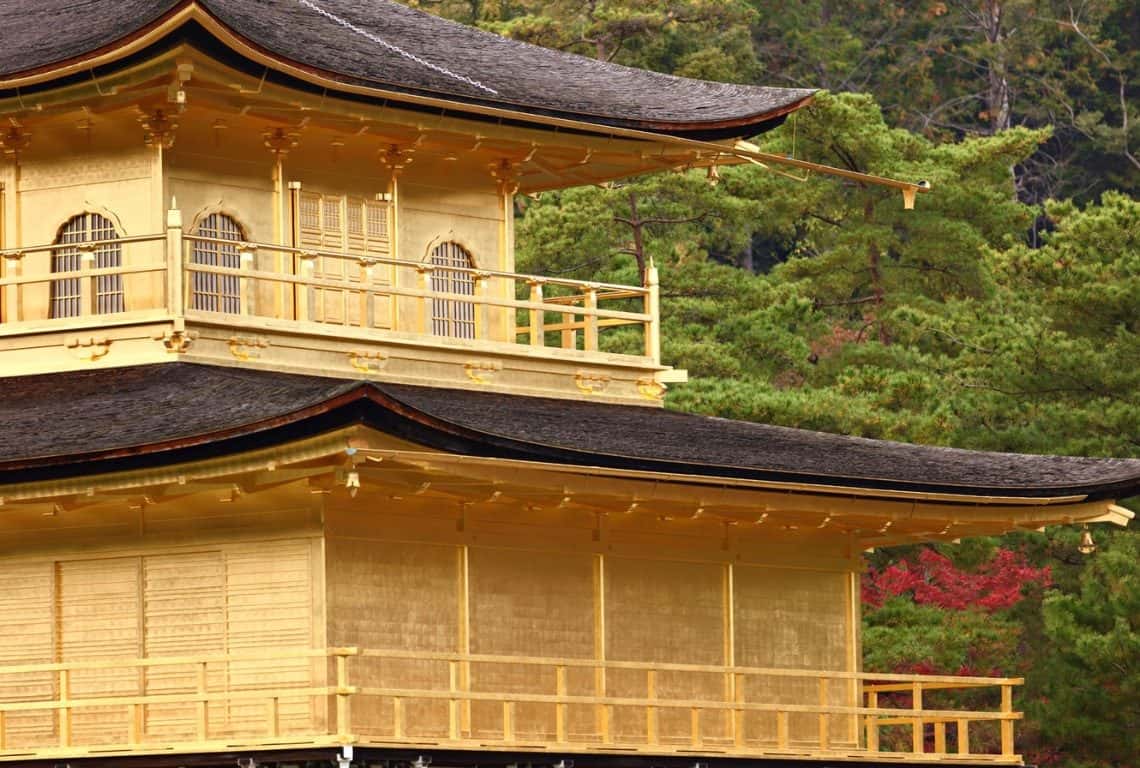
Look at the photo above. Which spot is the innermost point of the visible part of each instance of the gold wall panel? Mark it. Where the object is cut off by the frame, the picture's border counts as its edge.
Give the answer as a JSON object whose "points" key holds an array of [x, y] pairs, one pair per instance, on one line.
{"points": [[27, 603], [396, 596], [237, 599], [793, 619], [669, 612], [99, 610], [527, 604]]}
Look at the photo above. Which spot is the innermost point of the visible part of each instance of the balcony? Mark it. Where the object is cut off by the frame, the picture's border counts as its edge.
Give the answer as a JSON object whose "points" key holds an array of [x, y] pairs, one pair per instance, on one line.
{"points": [[298, 698], [139, 299]]}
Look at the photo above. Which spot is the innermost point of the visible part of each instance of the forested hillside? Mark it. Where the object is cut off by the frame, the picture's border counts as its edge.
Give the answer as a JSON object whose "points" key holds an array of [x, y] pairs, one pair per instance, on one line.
{"points": [[1003, 313]]}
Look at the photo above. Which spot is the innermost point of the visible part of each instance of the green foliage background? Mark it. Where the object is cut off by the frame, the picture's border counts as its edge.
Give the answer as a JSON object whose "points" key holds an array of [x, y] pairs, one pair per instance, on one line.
{"points": [[1002, 314]]}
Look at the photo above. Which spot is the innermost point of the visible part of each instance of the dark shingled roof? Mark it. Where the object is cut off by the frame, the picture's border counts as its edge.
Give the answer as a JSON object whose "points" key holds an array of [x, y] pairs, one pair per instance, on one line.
{"points": [[75, 423], [387, 45]]}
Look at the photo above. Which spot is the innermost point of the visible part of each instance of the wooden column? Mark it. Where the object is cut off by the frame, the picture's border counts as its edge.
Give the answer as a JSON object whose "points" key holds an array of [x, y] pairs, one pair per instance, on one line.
{"points": [[464, 635], [604, 712]]}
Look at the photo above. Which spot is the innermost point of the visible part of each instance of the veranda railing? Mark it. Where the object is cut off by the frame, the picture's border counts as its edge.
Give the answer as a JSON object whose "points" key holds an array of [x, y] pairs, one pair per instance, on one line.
{"points": [[293, 696], [164, 275]]}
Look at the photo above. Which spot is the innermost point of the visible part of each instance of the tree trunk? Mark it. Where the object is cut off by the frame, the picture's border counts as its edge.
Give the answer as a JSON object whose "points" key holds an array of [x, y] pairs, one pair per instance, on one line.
{"points": [[874, 267]]}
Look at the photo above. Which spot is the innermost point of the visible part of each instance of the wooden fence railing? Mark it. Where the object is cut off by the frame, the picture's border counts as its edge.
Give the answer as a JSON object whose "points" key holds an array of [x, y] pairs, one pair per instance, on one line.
{"points": [[205, 703], [173, 274], [375, 292]]}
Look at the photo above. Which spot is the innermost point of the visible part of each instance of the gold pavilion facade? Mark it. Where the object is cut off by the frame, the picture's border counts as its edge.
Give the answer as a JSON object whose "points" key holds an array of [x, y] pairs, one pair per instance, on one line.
{"points": [[298, 469]]}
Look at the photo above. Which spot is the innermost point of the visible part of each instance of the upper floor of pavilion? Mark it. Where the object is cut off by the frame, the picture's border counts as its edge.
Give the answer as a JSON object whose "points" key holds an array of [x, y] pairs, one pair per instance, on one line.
{"points": [[326, 187]]}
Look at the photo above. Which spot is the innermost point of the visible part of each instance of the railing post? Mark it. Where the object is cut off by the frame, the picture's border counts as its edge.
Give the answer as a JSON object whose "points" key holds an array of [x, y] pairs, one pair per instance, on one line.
{"points": [[591, 320], [653, 309], [604, 712], [695, 726], [651, 711], [247, 287], [872, 722], [1007, 724], [453, 702], [738, 714], [824, 718], [343, 713], [11, 296], [963, 737], [174, 261], [781, 730], [940, 737], [569, 336], [423, 316], [304, 294], [918, 745], [88, 284], [537, 316], [479, 305], [65, 710], [508, 721], [272, 711], [397, 718], [560, 707], [3, 732], [365, 296], [203, 704], [135, 724]]}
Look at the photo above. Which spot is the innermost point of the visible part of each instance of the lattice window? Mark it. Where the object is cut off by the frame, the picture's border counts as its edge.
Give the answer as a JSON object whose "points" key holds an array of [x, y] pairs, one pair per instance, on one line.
{"points": [[310, 212], [331, 225], [452, 317], [354, 216], [377, 216], [211, 292], [343, 223], [67, 293]]}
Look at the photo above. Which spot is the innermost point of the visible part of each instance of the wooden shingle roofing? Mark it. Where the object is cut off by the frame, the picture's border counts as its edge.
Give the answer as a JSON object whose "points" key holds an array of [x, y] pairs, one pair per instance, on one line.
{"points": [[384, 45], [71, 424]]}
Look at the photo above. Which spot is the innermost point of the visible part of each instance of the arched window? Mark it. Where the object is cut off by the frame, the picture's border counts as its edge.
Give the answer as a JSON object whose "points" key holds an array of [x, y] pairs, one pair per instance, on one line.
{"points": [[67, 293], [217, 293], [451, 317]]}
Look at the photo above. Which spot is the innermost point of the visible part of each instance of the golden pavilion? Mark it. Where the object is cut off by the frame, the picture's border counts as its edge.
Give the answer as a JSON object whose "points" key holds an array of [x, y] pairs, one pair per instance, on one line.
{"points": [[297, 470]]}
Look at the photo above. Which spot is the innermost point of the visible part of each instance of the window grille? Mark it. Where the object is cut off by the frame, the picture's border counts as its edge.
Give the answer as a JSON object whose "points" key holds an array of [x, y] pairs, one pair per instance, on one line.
{"points": [[210, 292], [331, 223], [355, 216], [377, 220], [311, 212], [343, 223], [452, 317], [67, 292]]}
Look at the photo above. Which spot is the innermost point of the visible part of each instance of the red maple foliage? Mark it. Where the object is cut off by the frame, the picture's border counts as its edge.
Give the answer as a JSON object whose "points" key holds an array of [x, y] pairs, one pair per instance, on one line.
{"points": [[932, 579]]}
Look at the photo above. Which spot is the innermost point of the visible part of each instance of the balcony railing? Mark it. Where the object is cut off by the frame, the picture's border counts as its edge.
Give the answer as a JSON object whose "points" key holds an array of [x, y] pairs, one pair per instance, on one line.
{"points": [[301, 697], [321, 291]]}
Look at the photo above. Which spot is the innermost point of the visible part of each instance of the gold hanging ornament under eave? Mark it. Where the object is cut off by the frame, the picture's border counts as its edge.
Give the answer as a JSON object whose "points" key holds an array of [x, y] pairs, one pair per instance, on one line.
{"points": [[1087, 546]]}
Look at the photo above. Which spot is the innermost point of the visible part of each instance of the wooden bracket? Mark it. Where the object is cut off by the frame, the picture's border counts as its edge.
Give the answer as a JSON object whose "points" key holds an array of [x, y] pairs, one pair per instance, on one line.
{"points": [[176, 341]]}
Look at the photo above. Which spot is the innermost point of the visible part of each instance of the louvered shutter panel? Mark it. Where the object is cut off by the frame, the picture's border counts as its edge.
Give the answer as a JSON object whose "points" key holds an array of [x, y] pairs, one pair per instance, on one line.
{"points": [[98, 604]]}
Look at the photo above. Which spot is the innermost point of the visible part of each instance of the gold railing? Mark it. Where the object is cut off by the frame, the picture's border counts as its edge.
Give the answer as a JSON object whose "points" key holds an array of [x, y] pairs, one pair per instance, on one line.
{"points": [[380, 293], [321, 291], [469, 701], [27, 279], [195, 703]]}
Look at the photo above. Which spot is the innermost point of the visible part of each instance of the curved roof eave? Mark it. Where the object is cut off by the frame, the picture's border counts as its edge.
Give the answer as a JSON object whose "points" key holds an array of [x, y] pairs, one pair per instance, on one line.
{"points": [[269, 409], [174, 14]]}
